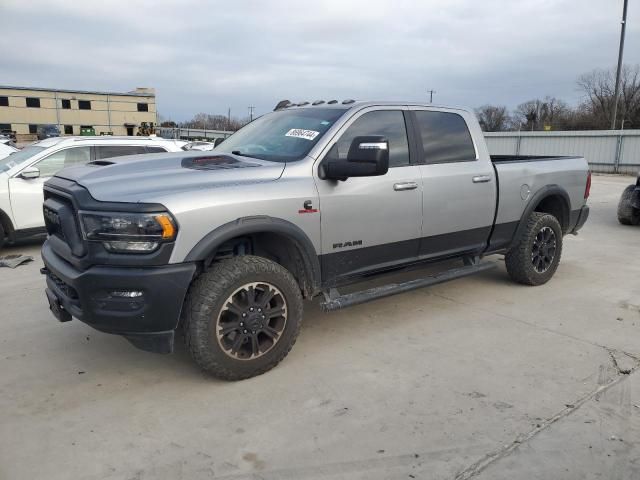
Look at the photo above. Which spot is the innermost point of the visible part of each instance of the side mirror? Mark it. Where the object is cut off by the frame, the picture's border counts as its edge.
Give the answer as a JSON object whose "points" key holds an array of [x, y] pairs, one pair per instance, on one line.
{"points": [[368, 157], [29, 173]]}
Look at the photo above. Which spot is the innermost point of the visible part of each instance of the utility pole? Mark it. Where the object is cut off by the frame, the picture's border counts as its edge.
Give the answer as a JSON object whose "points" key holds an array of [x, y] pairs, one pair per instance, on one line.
{"points": [[616, 95], [229, 120], [251, 109], [431, 92]]}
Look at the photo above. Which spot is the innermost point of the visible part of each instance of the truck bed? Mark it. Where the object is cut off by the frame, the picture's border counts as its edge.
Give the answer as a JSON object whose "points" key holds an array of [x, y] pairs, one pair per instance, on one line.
{"points": [[521, 178]]}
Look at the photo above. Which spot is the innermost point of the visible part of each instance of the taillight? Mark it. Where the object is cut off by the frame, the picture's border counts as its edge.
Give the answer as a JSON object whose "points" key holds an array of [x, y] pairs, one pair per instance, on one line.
{"points": [[587, 188]]}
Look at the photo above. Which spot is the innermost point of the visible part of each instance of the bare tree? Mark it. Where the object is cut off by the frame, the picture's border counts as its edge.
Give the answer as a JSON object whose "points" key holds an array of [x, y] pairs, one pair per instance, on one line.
{"points": [[493, 118], [207, 121], [599, 86], [537, 114]]}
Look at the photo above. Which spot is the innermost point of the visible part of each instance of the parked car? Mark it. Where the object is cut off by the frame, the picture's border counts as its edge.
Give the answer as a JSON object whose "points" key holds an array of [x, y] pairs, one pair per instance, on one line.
{"points": [[226, 244], [47, 131], [6, 150], [7, 140], [23, 173], [629, 205], [8, 136]]}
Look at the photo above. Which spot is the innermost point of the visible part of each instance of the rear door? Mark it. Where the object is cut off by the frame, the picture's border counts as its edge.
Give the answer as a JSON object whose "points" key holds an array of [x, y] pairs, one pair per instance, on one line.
{"points": [[371, 223], [459, 197], [27, 195]]}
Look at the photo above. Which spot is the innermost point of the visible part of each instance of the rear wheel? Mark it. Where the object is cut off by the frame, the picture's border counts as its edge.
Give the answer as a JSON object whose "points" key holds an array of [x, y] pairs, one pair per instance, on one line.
{"points": [[535, 258], [242, 317], [2, 236], [627, 215]]}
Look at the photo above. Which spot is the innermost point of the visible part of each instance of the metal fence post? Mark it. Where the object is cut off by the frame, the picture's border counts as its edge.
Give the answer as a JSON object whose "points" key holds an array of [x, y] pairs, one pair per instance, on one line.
{"points": [[616, 161], [518, 145]]}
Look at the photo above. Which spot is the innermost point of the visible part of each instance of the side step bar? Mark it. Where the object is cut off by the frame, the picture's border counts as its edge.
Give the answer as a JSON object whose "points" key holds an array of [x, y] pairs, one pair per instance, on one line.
{"points": [[334, 301]]}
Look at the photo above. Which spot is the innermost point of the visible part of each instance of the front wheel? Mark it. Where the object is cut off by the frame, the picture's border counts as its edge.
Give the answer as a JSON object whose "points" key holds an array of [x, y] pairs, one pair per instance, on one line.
{"points": [[535, 258], [627, 215], [242, 317]]}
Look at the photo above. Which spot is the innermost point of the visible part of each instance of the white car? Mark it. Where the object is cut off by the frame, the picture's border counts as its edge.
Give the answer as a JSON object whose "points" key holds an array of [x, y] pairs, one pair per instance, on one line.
{"points": [[23, 173], [6, 150]]}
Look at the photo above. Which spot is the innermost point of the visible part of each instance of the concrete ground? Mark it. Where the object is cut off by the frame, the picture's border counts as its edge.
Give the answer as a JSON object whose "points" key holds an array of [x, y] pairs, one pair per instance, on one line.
{"points": [[477, 378]]}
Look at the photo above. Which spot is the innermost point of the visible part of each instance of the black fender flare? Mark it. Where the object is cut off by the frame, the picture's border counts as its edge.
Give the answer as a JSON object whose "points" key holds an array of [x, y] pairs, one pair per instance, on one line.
{"points": [[207, 246], [536, 199]]}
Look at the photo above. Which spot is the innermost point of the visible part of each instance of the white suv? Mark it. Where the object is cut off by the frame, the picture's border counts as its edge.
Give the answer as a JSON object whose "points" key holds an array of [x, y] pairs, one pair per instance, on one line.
{"points": [[23, 173]]}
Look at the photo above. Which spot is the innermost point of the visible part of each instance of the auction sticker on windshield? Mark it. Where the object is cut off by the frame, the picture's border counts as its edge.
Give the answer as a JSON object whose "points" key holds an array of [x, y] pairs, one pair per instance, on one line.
{"points": [[300, 133]]}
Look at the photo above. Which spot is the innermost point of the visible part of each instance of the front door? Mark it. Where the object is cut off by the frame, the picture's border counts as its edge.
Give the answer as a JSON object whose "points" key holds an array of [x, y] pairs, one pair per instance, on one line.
{"points": [[459, 198], [371, 223], [27, 195]]}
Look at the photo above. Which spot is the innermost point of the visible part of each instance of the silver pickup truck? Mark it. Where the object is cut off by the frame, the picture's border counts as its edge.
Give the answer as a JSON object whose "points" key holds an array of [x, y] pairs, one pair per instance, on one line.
{"points": [[226, 244]]}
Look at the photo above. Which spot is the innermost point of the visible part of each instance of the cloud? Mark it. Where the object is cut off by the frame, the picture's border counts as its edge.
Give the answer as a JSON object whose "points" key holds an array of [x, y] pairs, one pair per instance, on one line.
{"points": [[208, 56]]}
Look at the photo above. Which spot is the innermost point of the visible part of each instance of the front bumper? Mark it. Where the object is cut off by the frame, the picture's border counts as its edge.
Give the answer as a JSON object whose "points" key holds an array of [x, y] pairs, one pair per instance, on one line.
{"points": [[93, 296]]}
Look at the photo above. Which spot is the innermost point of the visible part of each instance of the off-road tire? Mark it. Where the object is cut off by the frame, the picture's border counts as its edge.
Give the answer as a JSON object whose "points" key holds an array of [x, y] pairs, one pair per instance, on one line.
{"points": [[627, 215], [205, 300], [518, 259]]}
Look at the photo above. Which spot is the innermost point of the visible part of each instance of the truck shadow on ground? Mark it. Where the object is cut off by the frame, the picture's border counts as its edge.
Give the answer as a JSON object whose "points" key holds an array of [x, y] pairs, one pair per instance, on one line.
{"points": [[106, 354]]}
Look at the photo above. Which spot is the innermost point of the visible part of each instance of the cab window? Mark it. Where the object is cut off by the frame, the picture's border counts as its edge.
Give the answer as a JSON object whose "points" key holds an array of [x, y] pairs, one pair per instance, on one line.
{"points": [[445, 137], [387, 123]]}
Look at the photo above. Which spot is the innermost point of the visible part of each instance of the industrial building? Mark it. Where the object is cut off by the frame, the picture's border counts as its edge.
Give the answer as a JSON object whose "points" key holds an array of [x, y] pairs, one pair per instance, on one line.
{"points": [[23, 109]]}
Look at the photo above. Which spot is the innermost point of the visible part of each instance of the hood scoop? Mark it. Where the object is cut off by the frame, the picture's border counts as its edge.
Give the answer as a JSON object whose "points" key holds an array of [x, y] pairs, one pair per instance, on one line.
{"points": [[214, 162], [101, 163]]}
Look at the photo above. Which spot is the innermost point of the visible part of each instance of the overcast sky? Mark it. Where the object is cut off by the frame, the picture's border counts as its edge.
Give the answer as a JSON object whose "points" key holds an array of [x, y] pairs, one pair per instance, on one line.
{"points": [[205, 56]]}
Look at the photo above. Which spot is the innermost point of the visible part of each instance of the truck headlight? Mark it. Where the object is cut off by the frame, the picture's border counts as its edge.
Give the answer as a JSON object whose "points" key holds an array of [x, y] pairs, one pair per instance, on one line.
{"points": [[128, 232]]}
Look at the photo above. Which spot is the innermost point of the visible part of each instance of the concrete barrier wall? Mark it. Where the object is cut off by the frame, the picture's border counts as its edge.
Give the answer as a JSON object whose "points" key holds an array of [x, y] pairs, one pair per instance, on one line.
{"points": [[607, 151]]}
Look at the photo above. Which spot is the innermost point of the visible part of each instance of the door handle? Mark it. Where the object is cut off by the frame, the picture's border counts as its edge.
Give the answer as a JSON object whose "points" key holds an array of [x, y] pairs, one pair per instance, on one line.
{"points": [[399, 187], [481, 179]]}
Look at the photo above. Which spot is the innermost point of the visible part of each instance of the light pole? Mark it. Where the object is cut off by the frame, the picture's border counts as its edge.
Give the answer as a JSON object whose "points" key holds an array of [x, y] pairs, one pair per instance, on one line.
{"points": [[616, 95], [431, 92]]}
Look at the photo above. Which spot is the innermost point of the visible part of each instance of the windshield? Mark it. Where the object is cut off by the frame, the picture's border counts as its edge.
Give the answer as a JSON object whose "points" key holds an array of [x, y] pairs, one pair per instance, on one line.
{"points": [[282, 136], [17, 158]]}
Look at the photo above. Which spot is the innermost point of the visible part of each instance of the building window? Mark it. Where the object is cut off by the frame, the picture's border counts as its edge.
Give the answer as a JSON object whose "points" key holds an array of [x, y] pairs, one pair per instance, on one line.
{"points": [[66, 104], [84, 104], [68, 129], [5, 127], [33, 102], [33, 128], [143, 107], [4, 101]]}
